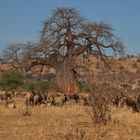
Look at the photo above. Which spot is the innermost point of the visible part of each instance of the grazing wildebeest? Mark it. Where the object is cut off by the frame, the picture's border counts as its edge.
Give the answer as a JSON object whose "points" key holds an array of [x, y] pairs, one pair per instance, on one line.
{"points": [[84, 98], [50, 99], [29, 98], [44, 98], [33, 99], [58, 99], [73, 97], [131, 103], [65, 99], [8, 95], [37, 99], [11, 105], [2, 97], [119, 100], [116, 100]]}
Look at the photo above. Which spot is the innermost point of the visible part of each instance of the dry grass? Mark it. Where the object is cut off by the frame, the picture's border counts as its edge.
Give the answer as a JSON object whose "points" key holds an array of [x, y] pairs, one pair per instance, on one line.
{"points": [[72, 122]]}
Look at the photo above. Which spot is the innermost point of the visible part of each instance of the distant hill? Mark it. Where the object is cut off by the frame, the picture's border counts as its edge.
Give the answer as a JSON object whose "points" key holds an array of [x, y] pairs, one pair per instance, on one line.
{"points": [[121, 71]]}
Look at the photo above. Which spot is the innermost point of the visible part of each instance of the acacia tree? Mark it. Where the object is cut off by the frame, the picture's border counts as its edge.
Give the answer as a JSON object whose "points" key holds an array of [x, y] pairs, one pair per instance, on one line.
{"points": [[11, 79], [19, 54], [65, 36]]}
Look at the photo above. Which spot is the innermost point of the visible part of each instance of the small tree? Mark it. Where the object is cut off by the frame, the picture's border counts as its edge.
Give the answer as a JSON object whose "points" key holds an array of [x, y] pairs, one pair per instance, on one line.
{"points": [[29, 86], [39, 87], [11, 79]]}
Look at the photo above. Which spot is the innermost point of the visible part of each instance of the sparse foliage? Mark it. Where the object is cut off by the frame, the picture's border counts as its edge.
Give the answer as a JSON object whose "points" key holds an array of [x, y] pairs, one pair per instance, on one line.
{"points": [[65, 36]]}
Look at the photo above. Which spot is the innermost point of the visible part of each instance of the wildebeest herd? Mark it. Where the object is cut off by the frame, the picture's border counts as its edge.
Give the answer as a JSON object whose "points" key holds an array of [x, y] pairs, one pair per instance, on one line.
{"points": [[130, 102], [61, 99], [56, 99], [49, 98]]}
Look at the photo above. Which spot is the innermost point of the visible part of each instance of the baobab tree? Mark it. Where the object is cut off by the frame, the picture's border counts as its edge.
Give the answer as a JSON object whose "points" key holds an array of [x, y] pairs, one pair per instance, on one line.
{"points": [[65, 36]]}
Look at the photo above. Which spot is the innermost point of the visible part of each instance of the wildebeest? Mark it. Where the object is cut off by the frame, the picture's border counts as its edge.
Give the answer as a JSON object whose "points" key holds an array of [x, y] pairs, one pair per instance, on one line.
{"points": [[84, 98], [36, 99], [2, 97], [55, 98], [132, 103], [73, 97], [65, 99], [33, 98], [29, 97], [118, 100], [11, 105], [8, 95]]}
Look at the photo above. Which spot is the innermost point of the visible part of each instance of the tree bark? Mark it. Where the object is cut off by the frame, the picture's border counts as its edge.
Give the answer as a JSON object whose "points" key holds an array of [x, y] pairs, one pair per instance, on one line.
{"points": [[65, 78]]}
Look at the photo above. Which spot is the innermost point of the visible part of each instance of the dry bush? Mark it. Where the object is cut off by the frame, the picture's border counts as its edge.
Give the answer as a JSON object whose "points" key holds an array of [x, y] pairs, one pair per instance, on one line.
{"points": [[100, 111], [78, 134]]}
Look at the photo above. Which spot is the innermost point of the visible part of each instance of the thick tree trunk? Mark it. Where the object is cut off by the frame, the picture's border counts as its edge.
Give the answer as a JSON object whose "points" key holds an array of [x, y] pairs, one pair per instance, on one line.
{"points": [[65, 78]]}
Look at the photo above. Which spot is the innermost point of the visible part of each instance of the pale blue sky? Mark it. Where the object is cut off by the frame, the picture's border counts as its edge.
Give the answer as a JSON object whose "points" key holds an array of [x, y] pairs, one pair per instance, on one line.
{"points": [[21, 20]]}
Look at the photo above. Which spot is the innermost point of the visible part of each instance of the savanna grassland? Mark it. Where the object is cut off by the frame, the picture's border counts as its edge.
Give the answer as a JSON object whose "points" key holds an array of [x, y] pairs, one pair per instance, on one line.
{"points": [[75, 121], [70, 122]]}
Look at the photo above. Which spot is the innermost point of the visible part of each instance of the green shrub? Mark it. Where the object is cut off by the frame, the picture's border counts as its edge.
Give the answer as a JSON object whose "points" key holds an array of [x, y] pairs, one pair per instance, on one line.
{"points": [[28, 86], [11, 79], [39, 86]]}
